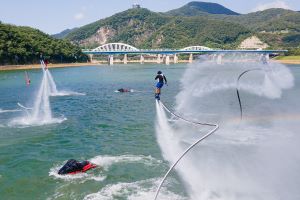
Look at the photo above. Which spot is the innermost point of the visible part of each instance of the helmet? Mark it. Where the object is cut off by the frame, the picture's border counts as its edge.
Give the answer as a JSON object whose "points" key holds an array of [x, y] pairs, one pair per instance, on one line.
{"points": [[159, 72]]}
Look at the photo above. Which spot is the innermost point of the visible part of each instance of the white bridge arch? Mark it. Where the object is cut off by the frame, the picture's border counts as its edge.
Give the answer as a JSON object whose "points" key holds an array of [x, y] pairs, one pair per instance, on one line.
{"points": [[115, 47], [195, 48]]}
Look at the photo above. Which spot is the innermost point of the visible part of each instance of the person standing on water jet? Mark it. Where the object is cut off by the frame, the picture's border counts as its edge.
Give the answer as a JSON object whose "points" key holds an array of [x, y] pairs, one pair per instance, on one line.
{"points": [[161, 80], [44, 60]]}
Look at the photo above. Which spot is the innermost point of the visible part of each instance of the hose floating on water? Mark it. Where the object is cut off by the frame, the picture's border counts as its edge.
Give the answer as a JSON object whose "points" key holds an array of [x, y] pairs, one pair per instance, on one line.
{"points": [[216, 126], [237, 89]]}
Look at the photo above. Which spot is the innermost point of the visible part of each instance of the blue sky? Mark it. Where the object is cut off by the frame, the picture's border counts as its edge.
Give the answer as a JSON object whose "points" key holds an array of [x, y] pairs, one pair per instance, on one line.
{"points": [[53, 16]]}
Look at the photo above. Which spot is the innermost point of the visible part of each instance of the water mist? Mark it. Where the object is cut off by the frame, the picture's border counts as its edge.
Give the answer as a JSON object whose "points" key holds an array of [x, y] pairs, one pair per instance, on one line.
{"points": [[251, 159]]}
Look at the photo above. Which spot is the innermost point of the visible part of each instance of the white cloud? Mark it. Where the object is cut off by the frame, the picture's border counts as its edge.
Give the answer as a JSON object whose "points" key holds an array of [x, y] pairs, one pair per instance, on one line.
{"points": [[274, 4], [79, 16]]}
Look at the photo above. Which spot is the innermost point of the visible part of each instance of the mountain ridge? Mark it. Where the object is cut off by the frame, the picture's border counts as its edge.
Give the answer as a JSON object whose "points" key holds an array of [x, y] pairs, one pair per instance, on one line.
{"points": [[195, 8], [143, 28]]}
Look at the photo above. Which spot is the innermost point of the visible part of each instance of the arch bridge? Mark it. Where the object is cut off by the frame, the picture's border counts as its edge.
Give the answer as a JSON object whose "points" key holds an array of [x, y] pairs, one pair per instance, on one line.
{"points": [[111, 49]]}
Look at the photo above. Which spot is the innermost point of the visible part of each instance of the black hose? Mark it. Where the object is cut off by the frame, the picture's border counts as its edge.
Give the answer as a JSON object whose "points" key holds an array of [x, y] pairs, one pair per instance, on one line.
{"points": [[237, 89], [184, 119], [216, 126]]}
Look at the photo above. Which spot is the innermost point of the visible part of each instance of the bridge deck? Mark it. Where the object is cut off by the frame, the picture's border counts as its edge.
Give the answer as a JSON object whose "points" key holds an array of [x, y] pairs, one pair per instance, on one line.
{"points": [[181, 51]]}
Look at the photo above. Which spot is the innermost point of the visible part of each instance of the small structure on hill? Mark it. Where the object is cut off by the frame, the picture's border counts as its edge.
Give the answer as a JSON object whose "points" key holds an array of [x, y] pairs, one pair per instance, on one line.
{"points": [[136, 5], [253, 42]]}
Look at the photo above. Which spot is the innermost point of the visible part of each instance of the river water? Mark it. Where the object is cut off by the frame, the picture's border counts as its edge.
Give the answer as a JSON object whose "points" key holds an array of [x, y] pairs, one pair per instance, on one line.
{"points": [[117, 131]]}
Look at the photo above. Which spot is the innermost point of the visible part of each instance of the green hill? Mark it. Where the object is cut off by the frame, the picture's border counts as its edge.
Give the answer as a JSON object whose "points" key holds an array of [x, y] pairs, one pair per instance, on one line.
{"points": [[20, 45], [132, 26], [196, 8], [63, 34], [142, 28], [279, 28], [274, 19], [196, 23], [182, 32]]}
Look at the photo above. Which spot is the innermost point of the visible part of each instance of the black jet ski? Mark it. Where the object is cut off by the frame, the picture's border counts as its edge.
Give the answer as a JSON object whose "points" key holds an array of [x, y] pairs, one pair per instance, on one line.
{"points": [[73, 167]]}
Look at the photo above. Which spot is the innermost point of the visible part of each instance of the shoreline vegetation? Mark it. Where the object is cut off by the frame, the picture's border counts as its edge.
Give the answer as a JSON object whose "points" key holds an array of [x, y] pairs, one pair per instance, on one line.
{"points": [[282, 59]]}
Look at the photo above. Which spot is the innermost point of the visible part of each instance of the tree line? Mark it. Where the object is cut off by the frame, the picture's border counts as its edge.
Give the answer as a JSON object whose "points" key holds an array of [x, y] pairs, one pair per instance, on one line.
{"points": [[25, 45]]}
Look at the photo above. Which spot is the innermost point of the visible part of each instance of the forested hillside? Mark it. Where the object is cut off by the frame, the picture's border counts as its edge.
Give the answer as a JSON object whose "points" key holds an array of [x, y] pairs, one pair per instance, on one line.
{"points": [[132, 26], [196, 8], [145, 29], [181, 32], [19, 45]]}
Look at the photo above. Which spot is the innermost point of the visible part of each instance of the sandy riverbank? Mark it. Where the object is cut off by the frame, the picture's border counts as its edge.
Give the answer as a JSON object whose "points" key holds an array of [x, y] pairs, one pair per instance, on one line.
{"points": [[292, 62], [38, 66]]}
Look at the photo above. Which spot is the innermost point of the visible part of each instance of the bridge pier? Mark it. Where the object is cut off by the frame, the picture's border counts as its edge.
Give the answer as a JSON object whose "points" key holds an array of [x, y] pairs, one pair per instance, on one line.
{"points": [[158, 59], [191, 58], [268, 57], [90, 57], [125, 59], [175, 58], [111, 60], [219, 59], [167, 59], [142, 59]]}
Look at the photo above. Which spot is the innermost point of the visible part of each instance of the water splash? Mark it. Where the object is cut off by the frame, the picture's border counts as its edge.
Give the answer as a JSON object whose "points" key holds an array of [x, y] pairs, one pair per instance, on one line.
{"points": [[239, 161], [67, 93], [144, 189], [52, 85], [9, 111], [41, 112], [104, 162], [53, 88]]}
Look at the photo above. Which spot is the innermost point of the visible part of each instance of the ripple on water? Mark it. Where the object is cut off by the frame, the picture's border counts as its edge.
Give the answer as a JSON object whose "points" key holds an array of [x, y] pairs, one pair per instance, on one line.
{"points": [[23, 122], [67, 93], [144, 189]]}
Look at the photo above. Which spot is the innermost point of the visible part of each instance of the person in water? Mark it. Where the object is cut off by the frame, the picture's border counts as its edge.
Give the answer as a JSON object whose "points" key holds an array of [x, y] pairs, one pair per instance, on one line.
{"points": [[27, 79], [123, 90], [161, 81]]}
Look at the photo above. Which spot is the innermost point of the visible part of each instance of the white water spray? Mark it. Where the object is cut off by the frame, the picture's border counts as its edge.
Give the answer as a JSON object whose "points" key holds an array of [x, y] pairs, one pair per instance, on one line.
{"points": [[238, 163], [41, 109], [41, 112], [53, 88]]}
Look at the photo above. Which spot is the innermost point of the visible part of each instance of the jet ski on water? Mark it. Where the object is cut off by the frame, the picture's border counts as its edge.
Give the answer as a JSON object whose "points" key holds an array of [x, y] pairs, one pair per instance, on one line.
{"points": [[73, 167]]}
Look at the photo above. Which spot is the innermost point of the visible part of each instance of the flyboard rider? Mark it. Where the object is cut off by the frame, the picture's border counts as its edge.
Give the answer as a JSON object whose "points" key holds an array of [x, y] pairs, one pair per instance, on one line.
{"points": [[161, 81]]}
